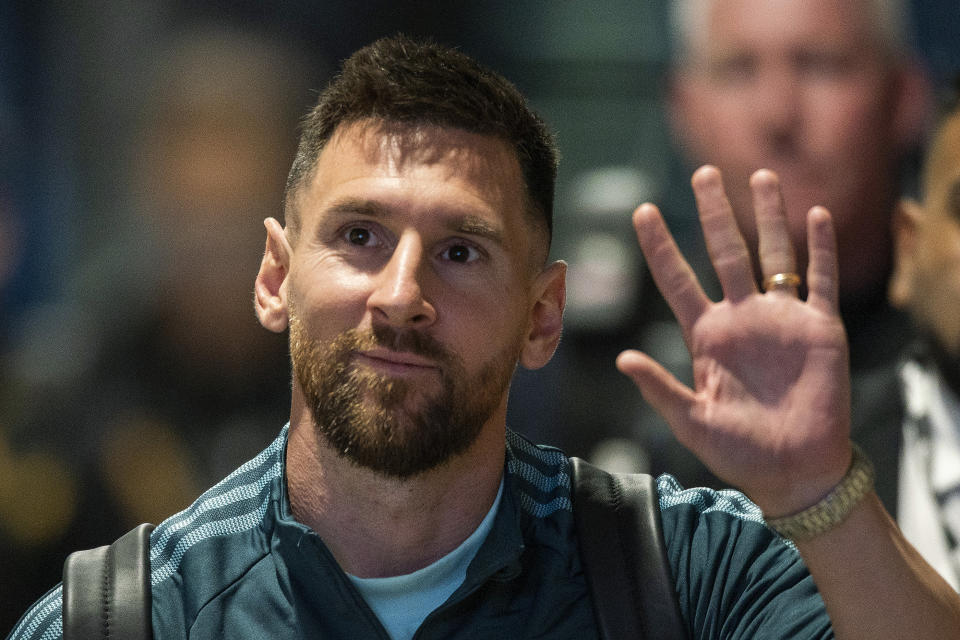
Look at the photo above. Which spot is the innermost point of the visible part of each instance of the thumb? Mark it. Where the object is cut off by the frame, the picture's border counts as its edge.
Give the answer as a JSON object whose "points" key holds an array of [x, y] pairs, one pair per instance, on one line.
{"points": [[671, 398]]}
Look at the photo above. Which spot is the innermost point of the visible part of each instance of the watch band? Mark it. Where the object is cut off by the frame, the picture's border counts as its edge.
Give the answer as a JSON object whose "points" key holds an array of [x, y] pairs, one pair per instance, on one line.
{"points": [[834, 508]]}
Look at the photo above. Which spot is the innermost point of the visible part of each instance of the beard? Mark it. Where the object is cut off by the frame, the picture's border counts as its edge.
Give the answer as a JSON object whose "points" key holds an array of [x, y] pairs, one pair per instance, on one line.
{"points": [[392, 425]]}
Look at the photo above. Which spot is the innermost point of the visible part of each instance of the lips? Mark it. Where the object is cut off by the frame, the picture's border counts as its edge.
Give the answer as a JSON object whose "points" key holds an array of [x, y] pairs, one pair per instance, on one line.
{"points": [[395, 361]]}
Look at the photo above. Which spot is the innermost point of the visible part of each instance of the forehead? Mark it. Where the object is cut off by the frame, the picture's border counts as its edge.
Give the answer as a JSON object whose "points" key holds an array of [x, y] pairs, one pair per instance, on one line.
{"points": [[776, 24], [396, 147], [372, 153]]}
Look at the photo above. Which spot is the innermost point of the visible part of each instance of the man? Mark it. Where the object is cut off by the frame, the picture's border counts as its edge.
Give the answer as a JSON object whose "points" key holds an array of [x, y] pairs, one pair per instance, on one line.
{"points": [[926, 282], [825, 93], [413, 277]]}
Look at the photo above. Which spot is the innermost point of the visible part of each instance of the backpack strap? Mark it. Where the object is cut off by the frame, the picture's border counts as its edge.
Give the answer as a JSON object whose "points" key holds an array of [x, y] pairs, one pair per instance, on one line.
{"points": [[106, 591], [624, 556]]}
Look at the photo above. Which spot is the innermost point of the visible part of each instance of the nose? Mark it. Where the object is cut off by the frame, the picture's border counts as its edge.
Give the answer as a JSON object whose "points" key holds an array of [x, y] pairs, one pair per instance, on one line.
{"points": [[398, 297], [777, 102]]}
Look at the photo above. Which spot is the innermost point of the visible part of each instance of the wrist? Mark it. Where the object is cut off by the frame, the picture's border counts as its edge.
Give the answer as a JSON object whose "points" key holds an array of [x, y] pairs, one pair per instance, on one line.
{"points": [[832, 509]]}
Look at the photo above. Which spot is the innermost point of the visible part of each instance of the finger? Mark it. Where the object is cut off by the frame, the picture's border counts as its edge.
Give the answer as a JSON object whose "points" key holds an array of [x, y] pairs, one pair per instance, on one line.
{"points": [[728, 252], [776, 250], [672, 399], [673, 276], [823, 277]]}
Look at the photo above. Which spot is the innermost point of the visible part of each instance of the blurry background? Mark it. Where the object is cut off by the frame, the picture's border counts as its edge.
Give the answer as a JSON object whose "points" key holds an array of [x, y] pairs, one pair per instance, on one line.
{"points": [[141, 146]]}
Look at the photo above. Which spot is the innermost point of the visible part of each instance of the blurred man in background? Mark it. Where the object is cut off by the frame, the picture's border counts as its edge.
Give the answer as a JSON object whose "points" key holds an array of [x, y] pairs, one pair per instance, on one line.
{"points": [[154, 386], [827, 94], [823, 91], [926, 282]]}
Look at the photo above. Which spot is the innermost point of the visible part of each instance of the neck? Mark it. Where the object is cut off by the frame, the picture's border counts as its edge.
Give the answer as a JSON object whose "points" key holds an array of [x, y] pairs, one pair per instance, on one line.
{"points": [[378, 526]]}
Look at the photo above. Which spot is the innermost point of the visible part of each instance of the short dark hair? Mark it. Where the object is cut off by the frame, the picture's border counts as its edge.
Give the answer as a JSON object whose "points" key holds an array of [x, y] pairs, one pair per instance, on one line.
{"points": [[409, 82]]}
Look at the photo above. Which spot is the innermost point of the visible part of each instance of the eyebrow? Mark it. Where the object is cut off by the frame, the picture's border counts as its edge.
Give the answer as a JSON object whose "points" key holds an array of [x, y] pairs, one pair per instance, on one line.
{"points": [[456, 222], [474, 225], [354, 206]]}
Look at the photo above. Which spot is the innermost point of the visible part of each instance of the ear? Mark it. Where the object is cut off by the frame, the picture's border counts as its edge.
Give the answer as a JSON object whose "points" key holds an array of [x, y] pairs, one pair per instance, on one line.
{"points": [[906, 219], [546, 316], [270, 289], [913, 104]]}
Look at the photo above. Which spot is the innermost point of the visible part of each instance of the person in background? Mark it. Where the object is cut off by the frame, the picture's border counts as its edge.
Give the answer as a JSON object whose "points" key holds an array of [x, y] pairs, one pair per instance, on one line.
{"points": [[157, 386], [926, 283], [828, 94]]}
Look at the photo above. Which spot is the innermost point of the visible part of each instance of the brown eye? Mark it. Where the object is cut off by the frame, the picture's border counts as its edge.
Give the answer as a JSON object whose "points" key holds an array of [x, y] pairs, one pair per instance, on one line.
{"points": [[459, 253], [359, 236]]}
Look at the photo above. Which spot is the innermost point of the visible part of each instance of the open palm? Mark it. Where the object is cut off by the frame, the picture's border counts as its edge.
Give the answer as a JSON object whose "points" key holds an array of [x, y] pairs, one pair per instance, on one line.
{"points": [[769, 412]]}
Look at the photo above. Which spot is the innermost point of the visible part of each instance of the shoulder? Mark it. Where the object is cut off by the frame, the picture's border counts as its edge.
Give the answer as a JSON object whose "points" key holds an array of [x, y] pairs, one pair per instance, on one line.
{"points": [[198, 553], [237, 503], [43, 620], [688, 505], [201, 551], [540, 476], [732, 571], [182, 545], [702, 522]]}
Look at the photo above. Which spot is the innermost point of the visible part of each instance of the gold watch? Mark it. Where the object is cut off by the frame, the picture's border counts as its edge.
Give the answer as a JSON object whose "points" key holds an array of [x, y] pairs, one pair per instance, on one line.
{"points": [[834, 508]]}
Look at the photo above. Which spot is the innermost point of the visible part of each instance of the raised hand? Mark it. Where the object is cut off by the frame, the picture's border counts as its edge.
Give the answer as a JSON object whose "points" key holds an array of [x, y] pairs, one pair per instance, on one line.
{"points": [[770, 409]]}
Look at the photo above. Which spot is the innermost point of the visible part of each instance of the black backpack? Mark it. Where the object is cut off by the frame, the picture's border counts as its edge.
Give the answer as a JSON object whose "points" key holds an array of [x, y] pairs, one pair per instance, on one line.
{"points": [[106, 591]]}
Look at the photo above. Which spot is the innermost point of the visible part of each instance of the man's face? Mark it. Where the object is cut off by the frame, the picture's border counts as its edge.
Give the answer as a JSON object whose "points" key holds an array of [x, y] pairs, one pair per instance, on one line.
{"points": [[409, 292], [801, 88], [927, 279]]}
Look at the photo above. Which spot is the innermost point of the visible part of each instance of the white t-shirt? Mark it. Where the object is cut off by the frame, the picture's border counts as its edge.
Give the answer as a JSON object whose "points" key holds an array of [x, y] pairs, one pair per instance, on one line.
{"points": [[403, 602]]}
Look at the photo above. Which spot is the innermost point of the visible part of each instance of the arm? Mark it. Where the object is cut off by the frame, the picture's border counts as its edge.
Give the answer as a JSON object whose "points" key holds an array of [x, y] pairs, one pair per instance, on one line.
{"points": [[770, 409], [875, 584]]}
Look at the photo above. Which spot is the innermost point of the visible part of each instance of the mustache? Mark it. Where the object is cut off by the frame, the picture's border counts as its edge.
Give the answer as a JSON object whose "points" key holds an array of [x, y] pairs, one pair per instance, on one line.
{"points": [[406, 340]]}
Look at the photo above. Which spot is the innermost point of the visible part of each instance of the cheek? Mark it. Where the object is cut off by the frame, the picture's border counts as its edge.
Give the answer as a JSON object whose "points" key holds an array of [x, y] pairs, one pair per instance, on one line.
{"points": [[326, 296], [719, 123], [949, 268], [941, 252], [938, 276], [482, 326], [705, 120], [844, 121]]}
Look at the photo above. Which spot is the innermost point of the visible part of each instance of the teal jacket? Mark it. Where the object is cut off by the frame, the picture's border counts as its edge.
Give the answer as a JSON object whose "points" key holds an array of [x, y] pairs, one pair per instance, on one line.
{"points": [[237, 565]]}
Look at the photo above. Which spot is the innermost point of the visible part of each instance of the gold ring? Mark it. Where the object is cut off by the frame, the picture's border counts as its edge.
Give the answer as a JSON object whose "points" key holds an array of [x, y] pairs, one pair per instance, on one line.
{"points": [[781, 281]]}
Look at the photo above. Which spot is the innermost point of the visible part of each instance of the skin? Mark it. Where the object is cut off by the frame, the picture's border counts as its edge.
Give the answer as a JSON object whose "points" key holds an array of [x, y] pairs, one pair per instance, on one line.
{"points": [[445, 250], [769, 410], [781, 435], [806, 89], [926, 280]]}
